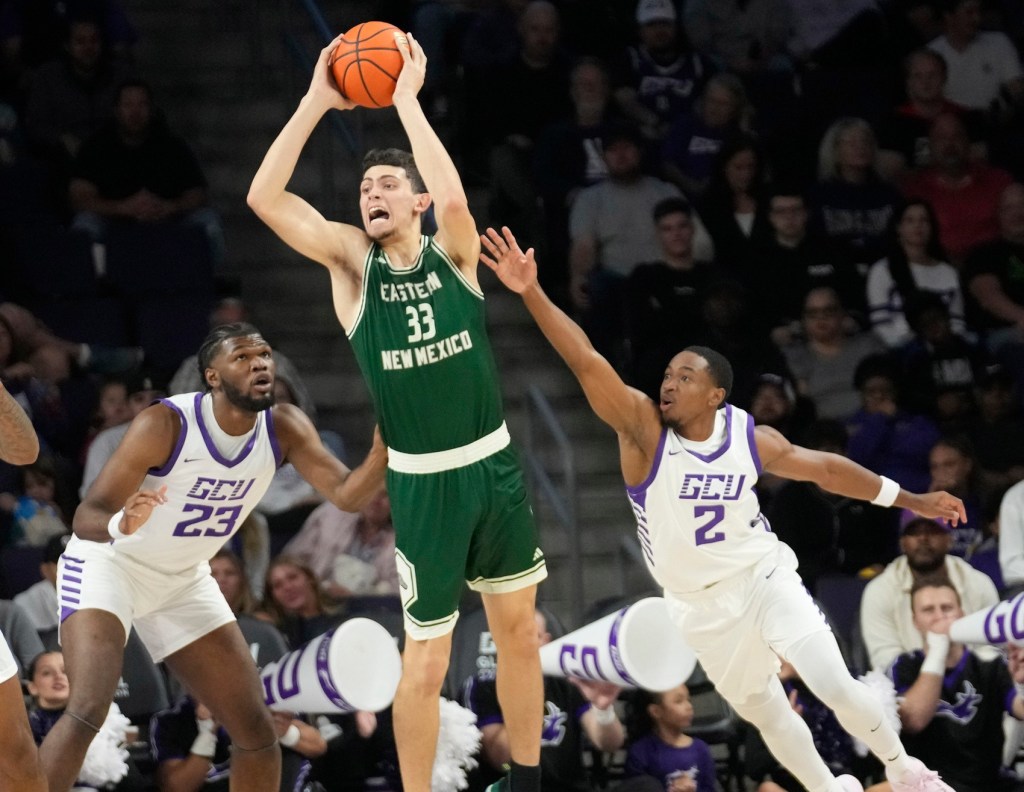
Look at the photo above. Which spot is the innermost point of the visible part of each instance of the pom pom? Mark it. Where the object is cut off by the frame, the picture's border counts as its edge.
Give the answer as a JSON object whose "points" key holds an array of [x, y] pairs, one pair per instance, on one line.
{"points": [[881, 688], [105, 761], [457, 743]]}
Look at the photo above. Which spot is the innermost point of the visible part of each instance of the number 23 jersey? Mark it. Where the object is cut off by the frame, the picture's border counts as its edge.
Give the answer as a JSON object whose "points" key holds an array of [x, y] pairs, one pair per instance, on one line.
{"points": [[209, 495], [698, 517]]}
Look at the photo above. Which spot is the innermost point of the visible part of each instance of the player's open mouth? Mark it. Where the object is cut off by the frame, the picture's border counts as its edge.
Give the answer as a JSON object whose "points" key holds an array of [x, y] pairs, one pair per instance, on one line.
{"points": [[377, 213], [263, 383]]}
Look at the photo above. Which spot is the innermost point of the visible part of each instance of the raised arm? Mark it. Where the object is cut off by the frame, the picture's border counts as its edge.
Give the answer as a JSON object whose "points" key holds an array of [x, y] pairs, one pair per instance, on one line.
{"points": [[456, 227], [628, 411], [347, 489], [293, 219], [19, 444]]}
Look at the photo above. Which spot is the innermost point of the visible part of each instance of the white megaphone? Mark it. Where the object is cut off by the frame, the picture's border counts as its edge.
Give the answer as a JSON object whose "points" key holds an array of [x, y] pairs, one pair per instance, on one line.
{"points": [[636, 647], [999, 624], [355, 666]]}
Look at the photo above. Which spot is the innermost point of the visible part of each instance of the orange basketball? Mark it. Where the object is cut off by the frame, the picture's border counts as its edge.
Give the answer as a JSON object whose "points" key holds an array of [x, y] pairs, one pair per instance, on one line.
{"points": [[366, 64]]}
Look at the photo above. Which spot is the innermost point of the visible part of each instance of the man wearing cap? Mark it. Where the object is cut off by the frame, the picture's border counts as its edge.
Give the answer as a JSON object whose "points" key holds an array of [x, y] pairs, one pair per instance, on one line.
{"points": [[886, 620], [39, 601]]}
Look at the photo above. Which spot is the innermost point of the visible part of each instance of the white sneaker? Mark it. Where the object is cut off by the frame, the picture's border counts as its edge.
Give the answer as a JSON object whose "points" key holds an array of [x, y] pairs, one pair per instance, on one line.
{"points": [[849, 783], [918, 778]]}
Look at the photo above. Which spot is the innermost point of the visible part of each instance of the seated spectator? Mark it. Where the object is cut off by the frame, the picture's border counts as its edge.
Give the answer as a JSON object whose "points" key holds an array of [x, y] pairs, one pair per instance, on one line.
{"points": [[71, 98], [39, 601], [573, 708], [663, 297], [830, 533], [296, 603], [135, 170], [984, 67], [1011, 538], [361, 753], [824, 356], [659, 746], [954, 470], [111, 410], [964, 194], [884, 435], [192, 751], [228, 570], [660, 77], [695, 138], [850, 204], [997, 430], [952, 700], [886, 619], [21, 635], [35, 515], [351, 554], [904, 136], [985, 557]]}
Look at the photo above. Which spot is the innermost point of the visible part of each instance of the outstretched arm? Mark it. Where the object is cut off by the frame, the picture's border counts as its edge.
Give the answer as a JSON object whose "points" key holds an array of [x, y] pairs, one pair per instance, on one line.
{"points": [[19, 444], [301, 226], [456, 227], [843, 476]]}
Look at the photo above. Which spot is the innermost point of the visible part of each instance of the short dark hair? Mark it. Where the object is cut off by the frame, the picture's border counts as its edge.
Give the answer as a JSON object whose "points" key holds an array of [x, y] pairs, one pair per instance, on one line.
{"points": [[718, 366], [939, 580], [672, 205], [398, 159], [217, 336]]}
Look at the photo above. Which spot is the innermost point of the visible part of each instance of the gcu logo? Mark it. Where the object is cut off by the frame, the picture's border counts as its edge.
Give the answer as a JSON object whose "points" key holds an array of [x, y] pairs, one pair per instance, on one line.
{"points": [[712, 486], [1003, 621]]}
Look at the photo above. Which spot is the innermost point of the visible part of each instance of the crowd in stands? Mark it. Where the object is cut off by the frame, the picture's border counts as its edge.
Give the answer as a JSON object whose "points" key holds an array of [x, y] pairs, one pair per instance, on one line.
{"points": [[830, 194]]}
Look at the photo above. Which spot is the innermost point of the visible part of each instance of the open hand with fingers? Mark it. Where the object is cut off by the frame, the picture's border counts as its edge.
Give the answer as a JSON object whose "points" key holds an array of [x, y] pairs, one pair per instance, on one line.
{"points": [[414, 68], [517, 270], [322, 88], [940, 505], [139, 506]]}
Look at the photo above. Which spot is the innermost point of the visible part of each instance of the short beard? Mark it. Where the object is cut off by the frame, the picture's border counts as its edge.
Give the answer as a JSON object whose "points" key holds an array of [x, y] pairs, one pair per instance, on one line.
{"points": [[243, 401], [927, 569], [668, 423]]}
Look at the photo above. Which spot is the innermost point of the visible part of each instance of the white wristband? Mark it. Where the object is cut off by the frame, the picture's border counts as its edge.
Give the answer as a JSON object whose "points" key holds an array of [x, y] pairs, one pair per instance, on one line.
{"points": [[205, 745], [604, 717], [887, 494], [290, 736], [114, 525]]}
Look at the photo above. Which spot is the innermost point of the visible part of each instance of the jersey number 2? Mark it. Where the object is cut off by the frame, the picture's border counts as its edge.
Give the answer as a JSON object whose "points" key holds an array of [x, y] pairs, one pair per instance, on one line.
{"points": [[421, 322], [706, 533], [228, 516]]}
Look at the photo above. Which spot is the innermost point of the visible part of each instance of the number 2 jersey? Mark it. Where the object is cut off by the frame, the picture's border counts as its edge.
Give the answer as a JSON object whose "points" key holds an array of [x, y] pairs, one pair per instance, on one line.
{"points": [[698, 517], [208, 494]]}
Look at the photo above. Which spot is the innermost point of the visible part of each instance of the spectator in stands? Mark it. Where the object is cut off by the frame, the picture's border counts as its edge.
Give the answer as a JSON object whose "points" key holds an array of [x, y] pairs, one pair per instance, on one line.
{"points": [[883, 433], [39, 601], [954, 470], [20, 634], [914, 263], [696, 136], [824, 355], [663, 297], [573, 709], [192, 751], [296, 603], [660, 77], [659, 746], [850, 204], [964, 194], [984, 67], [351, 554], [228, 570], [1011, 538], [886, 619], [36, 515], [71, 98], [952, 698], [135, 170], [985, 557], [111, 410], [997, 430], [904, 137]]}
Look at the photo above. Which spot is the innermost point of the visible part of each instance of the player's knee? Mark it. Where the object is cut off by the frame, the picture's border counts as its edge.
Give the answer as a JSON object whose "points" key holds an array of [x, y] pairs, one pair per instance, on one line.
{"points": [[425, 674], [518, 639], [249, 726]]}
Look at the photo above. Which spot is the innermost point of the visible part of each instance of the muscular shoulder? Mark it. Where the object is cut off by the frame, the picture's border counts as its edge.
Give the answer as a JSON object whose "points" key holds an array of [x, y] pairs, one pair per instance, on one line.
{"points": [[291, 425]]}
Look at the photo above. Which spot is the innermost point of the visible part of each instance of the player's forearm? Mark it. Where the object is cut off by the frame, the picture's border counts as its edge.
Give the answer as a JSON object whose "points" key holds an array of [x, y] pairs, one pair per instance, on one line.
{"points": [[19, 444], [278, 165], [432, 159], [363, 482], [91, 520], [563, 333]]}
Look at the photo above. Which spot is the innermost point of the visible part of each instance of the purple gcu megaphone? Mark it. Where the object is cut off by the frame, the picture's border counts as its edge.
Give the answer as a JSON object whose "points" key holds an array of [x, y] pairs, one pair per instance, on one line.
{"points": [[1000, 624], [636, 647], [355, 666]]}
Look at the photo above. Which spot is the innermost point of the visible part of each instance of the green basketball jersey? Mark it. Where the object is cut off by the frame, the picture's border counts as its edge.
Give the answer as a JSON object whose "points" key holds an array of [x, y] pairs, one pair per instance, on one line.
{"points": [[421, 343]]}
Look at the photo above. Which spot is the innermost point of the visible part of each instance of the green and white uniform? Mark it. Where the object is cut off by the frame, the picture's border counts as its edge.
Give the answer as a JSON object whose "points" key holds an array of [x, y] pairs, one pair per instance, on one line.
{"points": [[457, 494]]}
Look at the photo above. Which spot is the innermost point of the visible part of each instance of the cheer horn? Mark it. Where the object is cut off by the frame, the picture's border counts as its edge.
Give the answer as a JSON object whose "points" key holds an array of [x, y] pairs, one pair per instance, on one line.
{"points": [[636, 647], [355, 666], [999, 624]]}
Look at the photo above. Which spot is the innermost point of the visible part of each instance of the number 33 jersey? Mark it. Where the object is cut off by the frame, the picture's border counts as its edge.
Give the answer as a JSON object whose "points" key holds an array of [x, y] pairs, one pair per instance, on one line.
{"points": [[209, 495], [698, 517]]}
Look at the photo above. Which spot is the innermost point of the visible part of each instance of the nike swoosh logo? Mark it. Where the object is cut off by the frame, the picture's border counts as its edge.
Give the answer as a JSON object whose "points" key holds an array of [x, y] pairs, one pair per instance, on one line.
{"points": [[673, 453], [193, 459], [770, 573]]}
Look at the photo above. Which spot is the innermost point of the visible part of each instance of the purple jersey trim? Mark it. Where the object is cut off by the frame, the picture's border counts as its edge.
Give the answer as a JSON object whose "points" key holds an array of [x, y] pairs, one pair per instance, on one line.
{"points": [[212, 448], [637, 492], [272, 434], [753, 444], [1011, 696], [954, 673], [490, 719], [65, 611], [725, 446], [169, 464]]}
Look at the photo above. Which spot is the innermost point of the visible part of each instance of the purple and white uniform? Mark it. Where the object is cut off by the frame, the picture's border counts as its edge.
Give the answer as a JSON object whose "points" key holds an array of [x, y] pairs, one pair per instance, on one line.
{"points": [[731, 585], [159, 577]]}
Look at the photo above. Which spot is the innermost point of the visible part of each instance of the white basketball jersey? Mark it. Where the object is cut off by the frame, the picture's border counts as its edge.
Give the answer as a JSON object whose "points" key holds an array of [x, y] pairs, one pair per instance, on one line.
{"points": [[208, 495], [698, 517]]}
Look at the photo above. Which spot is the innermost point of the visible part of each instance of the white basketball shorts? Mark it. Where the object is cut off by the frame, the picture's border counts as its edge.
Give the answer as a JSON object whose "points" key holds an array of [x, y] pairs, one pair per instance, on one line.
{"points": [[739, 627], [8, 665], [169, 611]]}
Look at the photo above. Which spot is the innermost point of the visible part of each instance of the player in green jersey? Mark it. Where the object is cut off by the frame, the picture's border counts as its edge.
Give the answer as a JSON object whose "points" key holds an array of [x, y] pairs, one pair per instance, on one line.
{"points": [[412, 307]]}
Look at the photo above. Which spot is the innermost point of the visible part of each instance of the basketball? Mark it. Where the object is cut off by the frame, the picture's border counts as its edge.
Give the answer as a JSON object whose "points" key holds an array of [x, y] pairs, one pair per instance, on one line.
{"points": [[366, 64]]}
